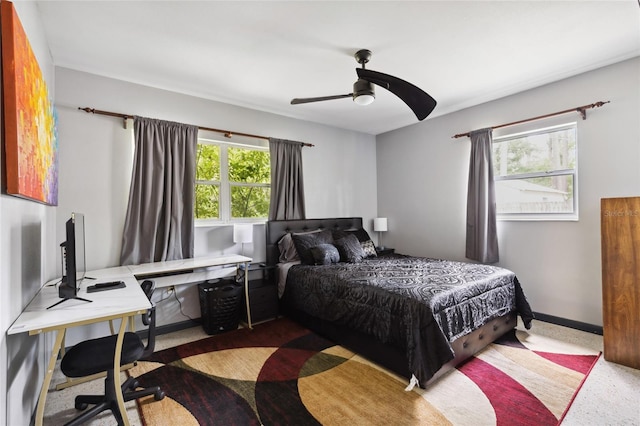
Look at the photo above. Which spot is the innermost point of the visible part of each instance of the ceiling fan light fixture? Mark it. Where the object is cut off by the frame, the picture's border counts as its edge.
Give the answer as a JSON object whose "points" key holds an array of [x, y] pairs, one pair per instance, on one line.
{"points": [[420, 102], [363, 92], [364, 99]]}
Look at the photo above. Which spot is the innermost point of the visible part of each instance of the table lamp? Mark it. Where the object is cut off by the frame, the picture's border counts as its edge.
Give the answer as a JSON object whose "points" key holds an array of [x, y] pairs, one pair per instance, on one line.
{"points": [[243, 233], [380, 226]]}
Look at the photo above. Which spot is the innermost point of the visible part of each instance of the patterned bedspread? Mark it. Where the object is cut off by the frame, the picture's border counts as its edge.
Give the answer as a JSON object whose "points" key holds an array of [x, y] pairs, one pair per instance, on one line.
{"points": [[416, 304]]}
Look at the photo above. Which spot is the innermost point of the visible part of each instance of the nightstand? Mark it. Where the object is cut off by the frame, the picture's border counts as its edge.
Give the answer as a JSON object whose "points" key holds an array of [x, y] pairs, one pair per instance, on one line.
{"points": [[263, 294], [385, 250]]}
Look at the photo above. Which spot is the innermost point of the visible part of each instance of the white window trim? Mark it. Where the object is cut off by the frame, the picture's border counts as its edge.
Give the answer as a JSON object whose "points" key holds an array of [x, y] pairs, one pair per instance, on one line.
{"points": [[225, 185], [544, 217]]}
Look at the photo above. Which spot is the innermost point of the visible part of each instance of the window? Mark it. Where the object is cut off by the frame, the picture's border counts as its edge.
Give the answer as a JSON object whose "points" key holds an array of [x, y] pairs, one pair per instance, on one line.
{"points": [[233, 182], [535, 174]]}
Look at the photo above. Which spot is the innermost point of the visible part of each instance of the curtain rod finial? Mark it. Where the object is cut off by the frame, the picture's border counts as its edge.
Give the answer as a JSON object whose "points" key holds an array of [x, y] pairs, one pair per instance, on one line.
{"points": [[87, 109], [583, 109]]}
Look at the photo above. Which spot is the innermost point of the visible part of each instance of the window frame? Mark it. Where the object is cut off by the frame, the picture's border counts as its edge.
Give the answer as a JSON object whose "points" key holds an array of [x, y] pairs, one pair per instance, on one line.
{"points": [[224, 184], [550, 216]]}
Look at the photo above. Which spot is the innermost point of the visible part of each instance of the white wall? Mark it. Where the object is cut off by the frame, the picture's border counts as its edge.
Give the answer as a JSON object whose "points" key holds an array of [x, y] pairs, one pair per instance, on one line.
{"points": [[96, 159], [27, 259], [422, 178]]}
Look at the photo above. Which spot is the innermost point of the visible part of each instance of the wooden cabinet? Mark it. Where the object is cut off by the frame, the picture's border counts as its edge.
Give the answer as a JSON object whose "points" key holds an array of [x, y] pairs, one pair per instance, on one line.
{"points": [[620, 233]]}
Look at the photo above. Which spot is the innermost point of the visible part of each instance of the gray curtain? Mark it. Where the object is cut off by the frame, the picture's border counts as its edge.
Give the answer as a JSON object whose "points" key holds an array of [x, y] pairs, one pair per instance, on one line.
{"points": [[159, 221], [287, 187], [482, 239]]}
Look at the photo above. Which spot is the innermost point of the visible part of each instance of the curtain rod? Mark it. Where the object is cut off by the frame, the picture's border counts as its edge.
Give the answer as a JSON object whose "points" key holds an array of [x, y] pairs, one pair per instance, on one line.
{"points": [[226, 133], [581, 109]]}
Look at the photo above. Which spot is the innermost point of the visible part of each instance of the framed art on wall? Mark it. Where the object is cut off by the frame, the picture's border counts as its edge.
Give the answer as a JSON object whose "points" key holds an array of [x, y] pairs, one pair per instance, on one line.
{"points": [[31, 146]]}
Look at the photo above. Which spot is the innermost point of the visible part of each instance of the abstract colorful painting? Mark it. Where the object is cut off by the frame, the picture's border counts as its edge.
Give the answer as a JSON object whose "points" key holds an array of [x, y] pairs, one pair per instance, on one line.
{"points": [[31, 145]]}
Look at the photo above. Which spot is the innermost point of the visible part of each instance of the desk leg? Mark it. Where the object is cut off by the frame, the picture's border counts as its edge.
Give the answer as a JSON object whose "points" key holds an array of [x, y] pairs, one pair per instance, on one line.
{"points": [[246, 294], [116, 368], [73, 381], [47, 378]]}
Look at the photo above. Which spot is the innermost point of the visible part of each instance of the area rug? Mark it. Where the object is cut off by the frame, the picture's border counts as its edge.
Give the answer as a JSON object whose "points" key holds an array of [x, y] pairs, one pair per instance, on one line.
{"points": [[282, 374]]}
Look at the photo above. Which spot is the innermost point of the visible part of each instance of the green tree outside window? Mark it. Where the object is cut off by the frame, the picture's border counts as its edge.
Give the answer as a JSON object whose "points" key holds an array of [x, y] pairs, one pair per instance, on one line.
{"points": [[232, 182]]}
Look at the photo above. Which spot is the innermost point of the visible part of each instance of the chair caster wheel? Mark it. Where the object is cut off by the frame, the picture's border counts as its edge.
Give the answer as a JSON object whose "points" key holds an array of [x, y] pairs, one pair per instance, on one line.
{"points": [[134, 385], [81, 405], [158, 395]]}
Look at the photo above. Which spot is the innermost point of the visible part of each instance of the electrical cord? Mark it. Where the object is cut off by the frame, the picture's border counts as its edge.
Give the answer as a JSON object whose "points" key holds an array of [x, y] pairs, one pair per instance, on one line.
{"points": [[162, 299], [175, 296], [180, 303], [60, 280]]}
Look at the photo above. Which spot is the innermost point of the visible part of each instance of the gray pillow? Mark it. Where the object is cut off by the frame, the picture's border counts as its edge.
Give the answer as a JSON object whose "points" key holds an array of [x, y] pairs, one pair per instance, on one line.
{"points": [[288, 251], [350, 249], [325, 254], [304, 242]]}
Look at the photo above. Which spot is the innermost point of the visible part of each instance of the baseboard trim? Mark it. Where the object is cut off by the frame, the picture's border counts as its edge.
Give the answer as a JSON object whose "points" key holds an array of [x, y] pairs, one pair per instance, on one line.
{"points": [[578, 325], [176, 326], [582, 326]]}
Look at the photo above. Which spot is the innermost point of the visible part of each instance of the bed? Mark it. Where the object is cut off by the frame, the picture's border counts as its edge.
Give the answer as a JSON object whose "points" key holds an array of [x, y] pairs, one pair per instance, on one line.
{"points": [[418, 317]]}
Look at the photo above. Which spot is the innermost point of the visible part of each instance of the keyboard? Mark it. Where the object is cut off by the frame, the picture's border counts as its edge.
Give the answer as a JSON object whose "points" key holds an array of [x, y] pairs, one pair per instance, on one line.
{"points": [[105, 286]]}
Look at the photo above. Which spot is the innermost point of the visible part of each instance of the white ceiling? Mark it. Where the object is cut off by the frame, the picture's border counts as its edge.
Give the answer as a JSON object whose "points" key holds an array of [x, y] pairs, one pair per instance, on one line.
{"points": [[261, 54]]}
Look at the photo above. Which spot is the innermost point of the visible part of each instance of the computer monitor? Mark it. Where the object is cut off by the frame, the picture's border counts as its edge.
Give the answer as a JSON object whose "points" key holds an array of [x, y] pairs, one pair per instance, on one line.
{"points": [[73, 259]]}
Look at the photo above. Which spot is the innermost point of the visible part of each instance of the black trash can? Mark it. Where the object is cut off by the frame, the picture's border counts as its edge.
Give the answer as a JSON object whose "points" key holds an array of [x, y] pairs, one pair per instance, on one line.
{"points": [[220, 302]]}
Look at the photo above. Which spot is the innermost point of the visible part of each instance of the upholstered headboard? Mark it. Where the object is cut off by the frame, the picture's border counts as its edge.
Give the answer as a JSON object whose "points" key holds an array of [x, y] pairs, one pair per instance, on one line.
{"points": [[276, 229]]}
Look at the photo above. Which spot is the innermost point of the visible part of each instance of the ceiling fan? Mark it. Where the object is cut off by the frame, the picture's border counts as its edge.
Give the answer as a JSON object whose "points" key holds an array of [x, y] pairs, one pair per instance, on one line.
{"points": [[363, 90]]}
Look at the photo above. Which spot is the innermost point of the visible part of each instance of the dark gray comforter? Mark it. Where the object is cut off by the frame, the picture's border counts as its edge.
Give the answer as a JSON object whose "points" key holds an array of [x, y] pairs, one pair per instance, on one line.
{"points": [[416, 304]]}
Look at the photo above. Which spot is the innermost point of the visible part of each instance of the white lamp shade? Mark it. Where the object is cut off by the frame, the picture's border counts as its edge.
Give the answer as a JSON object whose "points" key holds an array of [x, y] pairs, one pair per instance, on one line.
{"points": [[242, 233], [380, 224]]}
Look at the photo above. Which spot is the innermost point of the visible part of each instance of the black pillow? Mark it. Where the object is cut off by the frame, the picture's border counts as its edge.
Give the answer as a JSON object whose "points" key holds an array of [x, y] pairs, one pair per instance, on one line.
{"points": [[325, 254], [360, 233], [350, 249], [365, 240], [304, 242]]}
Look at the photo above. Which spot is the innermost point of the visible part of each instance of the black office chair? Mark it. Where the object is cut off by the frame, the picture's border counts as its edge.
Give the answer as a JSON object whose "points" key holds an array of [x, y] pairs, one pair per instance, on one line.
{"points": [[96, 356]]}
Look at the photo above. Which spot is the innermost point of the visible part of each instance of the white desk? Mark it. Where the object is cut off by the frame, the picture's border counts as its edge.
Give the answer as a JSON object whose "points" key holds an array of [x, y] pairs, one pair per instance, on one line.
{"points": [[122, 303], [190, 271]]}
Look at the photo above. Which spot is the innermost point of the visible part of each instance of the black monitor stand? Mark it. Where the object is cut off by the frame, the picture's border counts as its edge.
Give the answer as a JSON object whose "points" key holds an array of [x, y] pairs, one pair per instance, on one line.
{"points": [[67, 293]]}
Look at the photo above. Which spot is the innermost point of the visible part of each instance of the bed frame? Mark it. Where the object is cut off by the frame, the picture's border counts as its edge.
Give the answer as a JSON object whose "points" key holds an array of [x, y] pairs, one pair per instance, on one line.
{"points": [[388, 356]]}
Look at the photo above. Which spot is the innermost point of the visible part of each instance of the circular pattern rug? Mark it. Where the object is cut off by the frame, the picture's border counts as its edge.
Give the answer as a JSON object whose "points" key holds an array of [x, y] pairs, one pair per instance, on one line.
{"points": [[282, 374]]}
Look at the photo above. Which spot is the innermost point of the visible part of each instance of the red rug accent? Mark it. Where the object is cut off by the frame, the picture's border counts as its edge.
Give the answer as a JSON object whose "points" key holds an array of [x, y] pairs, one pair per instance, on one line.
{"points": [[580, 363], [513, 403]]}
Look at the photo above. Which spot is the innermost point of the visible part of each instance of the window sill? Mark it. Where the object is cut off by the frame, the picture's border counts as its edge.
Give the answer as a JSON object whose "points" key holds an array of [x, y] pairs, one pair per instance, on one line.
{"points": [[217, 224], [538, 218]]}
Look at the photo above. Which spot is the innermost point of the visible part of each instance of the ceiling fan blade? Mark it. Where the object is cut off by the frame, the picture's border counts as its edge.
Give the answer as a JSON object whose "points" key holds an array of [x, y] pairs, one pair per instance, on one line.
{"points": [[296, 101], [419, 101]]}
